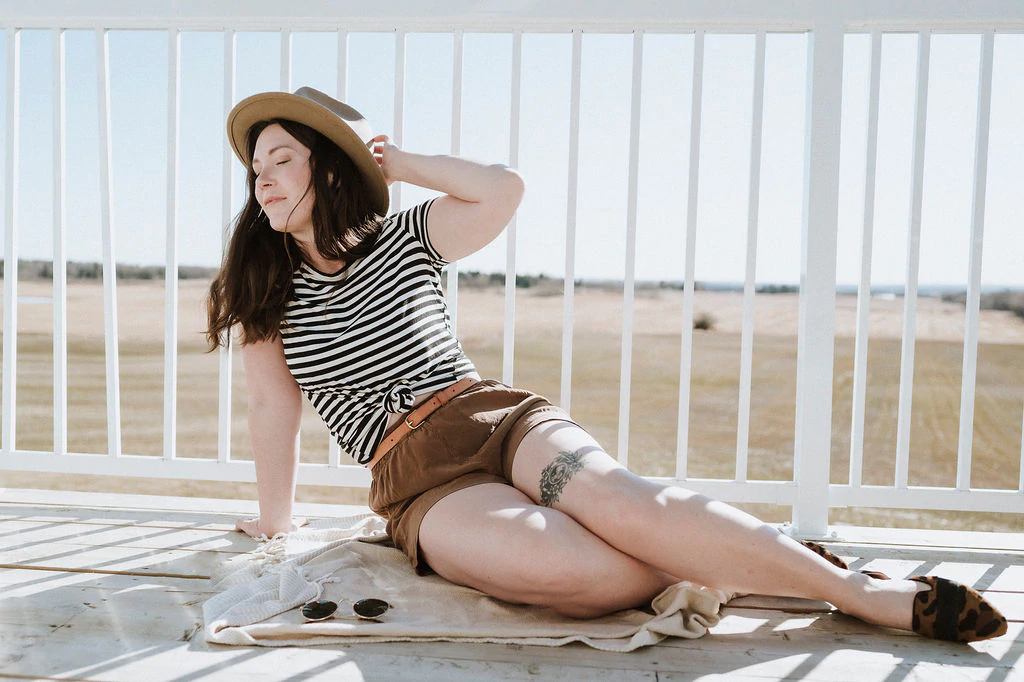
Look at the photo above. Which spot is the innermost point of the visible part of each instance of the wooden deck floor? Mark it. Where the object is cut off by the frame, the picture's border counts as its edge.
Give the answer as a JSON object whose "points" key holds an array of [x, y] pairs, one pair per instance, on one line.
{"points": [[97, 587]]}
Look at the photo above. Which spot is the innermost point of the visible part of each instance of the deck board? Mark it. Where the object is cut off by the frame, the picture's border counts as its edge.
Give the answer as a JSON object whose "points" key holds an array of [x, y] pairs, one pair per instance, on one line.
{"points": [[109, 593]]}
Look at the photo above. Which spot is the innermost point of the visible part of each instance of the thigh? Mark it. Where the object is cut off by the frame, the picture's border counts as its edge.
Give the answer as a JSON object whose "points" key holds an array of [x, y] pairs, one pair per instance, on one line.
{"points": [[495, 539], [559, 465]]}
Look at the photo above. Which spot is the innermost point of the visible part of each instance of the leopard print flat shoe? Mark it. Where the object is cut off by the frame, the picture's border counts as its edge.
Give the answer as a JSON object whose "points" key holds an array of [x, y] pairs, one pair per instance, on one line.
{"points": [[825, 554], [954, 612], [836, 561]]}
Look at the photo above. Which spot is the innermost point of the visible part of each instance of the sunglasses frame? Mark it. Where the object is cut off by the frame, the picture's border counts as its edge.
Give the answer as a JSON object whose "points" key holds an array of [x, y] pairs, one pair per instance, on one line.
{"points": [[370, 609]]}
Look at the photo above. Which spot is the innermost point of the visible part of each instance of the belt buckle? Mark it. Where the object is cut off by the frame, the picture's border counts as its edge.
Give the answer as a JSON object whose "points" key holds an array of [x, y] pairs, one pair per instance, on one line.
{"points": [[413, 427]]}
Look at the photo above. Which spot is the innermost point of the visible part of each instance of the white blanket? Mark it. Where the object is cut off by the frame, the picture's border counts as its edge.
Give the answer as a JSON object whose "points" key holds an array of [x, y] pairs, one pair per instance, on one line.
{"points": [[347, 559]]}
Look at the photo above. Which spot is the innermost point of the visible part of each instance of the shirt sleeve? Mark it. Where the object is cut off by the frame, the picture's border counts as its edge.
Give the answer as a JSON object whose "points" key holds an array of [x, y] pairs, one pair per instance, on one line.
{"points": [[414, 221]]}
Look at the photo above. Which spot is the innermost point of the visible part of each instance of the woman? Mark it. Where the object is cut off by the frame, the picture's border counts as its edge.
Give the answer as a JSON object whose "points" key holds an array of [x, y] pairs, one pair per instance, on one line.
{"points": [[488, 486]]}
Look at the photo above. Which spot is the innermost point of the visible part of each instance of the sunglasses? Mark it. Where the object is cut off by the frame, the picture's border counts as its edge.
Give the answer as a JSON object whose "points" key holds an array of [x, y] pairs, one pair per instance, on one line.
{"points": [[364, 609]]}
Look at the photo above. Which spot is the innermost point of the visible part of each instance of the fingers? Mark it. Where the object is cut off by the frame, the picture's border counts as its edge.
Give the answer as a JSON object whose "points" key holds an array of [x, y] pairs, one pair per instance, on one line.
{"points": [[251, 526]]}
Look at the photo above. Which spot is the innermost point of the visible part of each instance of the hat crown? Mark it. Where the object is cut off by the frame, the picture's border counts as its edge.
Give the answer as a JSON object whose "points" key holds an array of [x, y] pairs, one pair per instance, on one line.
{"points": [[359, 125]]}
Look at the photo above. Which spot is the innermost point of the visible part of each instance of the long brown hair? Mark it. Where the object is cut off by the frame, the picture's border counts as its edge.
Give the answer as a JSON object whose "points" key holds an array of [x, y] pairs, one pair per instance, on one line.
{"points": [[255, 279]]}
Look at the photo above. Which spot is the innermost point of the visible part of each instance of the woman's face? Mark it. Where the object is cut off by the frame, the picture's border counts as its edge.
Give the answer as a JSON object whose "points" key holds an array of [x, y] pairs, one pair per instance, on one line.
{"points": [[283, 189]]}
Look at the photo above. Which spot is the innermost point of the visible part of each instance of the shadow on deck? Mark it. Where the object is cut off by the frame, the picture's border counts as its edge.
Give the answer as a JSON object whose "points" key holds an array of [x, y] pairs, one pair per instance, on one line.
{"points": [[101, 587]]}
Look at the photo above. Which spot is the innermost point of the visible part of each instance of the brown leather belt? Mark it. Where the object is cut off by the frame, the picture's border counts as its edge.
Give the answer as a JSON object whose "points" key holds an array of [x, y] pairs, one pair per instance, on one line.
{"points": [[415, 417]]}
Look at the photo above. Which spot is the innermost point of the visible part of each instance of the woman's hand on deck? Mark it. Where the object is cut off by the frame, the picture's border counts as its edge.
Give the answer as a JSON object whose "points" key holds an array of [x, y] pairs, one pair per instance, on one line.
{"points": [[251, 526]]}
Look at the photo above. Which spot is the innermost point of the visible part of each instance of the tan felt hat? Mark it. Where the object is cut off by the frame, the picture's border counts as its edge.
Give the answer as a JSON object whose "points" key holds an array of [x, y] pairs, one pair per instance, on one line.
{"points": [[336, 120]]}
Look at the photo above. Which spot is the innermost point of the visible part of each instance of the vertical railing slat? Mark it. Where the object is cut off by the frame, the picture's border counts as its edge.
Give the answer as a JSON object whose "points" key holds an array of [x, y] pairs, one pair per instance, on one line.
{"points": [[816, 327], [628, 288], [863, 333], [686, 355], [10, 364], [285, 76], [1020, 488], [452, 270], [107, 219], [508, 347], [333, 448], [396, 188], [225, 360], [60, 269], [753, 205], [970, 361], [569, 283], [903, 422], [171, 267]]}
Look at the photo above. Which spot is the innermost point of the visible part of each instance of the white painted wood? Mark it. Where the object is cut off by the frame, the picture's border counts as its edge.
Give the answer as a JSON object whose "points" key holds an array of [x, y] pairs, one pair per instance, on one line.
{"points": [[60, 269], [12, 144], [750, 272], [686, 355], [973, 303], [628, 288], [342, 65], [109, 232], [452, 269], [224, 352], [286, 60], [58, 544], [123, 508], [554, 15], [903, 422], [815, 342], [346, 475], [171, 266], [860, 353], [93, 623], [914, 497], [601, 16], [508, 348], [396, 188], [569, 283]]}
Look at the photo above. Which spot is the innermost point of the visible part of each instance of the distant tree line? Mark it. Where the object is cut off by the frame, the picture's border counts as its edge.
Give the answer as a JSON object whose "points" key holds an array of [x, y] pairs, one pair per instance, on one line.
{"points": [[43, 269], [1012, 301]]}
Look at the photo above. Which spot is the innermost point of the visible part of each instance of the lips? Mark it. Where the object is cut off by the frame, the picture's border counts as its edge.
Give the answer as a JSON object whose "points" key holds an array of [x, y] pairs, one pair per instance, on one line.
{"points": [[272, 200]]}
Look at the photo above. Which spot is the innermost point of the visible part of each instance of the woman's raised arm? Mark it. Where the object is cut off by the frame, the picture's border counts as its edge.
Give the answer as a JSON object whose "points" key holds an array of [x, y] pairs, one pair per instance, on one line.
{"points": [[275, 409], [480, 200]]}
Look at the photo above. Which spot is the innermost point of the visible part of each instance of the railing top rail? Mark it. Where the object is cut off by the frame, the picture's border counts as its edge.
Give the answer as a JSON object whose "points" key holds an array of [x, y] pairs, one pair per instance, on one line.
{"points": [[497, 15]]}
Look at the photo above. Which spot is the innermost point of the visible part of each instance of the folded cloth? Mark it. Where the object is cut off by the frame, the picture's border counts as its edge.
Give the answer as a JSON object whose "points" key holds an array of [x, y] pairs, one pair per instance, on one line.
{"points": [[350, 558]]}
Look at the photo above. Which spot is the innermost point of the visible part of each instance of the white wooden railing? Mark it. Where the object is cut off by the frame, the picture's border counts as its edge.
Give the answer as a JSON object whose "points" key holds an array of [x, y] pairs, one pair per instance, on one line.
{"points": [[825, 22]]}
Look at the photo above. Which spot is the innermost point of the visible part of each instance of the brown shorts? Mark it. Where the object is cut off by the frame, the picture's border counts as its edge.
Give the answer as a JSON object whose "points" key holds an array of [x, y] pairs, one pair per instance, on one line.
{"points": [[469, 441]]}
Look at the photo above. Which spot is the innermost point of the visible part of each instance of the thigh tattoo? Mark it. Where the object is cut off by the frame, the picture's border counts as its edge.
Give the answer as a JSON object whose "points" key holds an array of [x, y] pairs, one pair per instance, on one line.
{"points": [[555, 475]]}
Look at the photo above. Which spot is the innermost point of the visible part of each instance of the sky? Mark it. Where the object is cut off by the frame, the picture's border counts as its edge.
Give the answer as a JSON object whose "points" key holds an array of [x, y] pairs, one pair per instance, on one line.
{"points": [[139, 77]]}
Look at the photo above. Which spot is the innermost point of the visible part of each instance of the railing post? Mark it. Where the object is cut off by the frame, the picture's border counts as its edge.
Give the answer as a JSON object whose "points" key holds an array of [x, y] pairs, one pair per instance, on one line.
{"points": [[818, 275]]}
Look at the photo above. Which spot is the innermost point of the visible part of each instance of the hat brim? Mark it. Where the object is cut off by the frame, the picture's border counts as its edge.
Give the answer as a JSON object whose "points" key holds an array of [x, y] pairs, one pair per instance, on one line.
{"points": [[270, 105]]}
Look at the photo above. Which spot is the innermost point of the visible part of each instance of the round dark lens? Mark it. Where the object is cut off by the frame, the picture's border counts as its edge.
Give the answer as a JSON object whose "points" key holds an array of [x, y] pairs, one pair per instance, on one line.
{"points": [[370, 608], [319, 610]]}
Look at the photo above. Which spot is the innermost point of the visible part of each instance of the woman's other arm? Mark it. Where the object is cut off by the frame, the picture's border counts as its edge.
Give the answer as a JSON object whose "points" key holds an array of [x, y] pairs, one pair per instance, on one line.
{"points": [[275, 409], [480, 199]]}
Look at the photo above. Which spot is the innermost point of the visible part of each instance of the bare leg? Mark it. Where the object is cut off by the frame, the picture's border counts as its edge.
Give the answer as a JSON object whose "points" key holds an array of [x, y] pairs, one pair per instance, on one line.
{"points": [[493, 538], [689, 535]]}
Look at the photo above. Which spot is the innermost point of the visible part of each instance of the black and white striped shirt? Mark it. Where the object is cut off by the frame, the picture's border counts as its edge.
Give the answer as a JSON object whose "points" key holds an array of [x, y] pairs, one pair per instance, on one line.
{"points": [[362, 342]]}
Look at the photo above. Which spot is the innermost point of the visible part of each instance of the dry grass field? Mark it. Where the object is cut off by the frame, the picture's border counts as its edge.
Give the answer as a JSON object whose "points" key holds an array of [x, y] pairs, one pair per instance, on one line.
{"points": [[595, 390]]}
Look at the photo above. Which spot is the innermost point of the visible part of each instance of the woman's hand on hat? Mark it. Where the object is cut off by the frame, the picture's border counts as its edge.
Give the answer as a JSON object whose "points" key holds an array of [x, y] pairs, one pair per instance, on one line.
{"points": [[384, 152]]}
